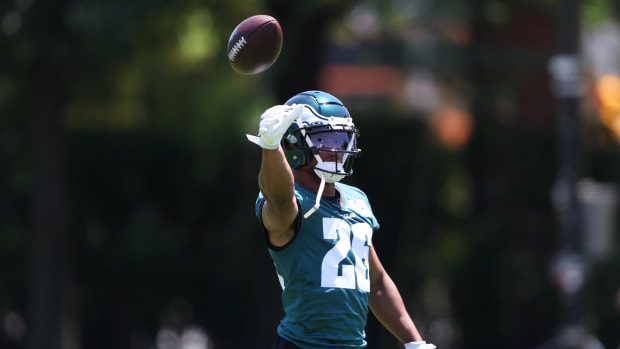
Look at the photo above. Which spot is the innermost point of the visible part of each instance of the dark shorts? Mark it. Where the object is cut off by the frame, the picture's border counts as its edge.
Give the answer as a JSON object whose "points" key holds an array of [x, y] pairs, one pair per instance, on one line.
{"points": [[281, 343]]}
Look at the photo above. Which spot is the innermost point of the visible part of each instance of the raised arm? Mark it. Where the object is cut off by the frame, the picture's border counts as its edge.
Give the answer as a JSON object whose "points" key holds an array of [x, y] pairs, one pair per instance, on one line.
{"points": [[276, 182], [275, 178]]}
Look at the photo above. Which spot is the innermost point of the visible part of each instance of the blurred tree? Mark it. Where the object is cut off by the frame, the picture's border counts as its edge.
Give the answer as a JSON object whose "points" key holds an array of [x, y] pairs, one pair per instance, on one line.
{"points": [[512, 162], [51, 311], [119, 94], [305, 28]]}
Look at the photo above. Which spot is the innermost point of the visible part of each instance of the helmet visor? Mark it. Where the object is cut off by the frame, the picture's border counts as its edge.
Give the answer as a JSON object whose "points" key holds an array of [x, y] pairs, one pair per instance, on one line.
{"points": [[335, 149], [334, 141]]}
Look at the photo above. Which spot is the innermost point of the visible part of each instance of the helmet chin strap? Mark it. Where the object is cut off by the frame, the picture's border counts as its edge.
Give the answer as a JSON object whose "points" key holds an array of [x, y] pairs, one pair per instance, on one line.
{"points": [[329, 176], [325, 178], [317, 203], [325, 169]]}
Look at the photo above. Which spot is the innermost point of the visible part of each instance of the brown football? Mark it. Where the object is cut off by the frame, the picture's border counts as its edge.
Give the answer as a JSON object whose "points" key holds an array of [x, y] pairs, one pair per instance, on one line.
{"points": [[255, 44]]}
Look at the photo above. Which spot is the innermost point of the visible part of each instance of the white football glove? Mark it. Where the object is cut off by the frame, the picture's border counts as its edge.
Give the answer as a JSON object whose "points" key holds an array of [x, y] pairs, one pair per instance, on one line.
{"points": [[419, 345], [273, 123]]}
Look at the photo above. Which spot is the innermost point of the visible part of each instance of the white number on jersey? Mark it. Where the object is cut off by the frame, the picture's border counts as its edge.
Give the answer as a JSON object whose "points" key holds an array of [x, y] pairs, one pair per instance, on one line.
{"points": [[354, 239]]}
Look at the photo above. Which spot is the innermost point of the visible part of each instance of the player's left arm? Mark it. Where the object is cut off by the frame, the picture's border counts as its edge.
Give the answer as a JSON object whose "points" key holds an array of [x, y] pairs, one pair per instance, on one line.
{"points": [[387, 305]]}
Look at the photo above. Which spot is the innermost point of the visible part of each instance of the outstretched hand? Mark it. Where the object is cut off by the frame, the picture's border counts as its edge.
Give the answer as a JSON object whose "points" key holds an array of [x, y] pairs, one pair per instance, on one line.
{"points": [[273, 124]]}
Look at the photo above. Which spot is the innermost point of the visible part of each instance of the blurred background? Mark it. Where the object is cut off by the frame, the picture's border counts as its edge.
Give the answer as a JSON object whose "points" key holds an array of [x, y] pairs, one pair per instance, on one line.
{"points": [[490, 132]]}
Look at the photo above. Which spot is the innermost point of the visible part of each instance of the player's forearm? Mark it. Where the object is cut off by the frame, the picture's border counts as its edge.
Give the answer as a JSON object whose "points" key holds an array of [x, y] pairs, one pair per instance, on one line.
{"points": [[388, 307], [275, 178]]}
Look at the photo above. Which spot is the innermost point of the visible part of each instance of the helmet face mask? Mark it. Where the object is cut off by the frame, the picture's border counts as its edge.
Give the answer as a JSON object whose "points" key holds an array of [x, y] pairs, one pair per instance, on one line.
{"points": [[323, 131], [336, 150]]}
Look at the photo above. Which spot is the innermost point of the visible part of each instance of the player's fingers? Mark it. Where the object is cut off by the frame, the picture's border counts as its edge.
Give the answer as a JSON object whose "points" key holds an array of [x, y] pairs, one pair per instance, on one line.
{"points": [[274, 110], [292, 114]]}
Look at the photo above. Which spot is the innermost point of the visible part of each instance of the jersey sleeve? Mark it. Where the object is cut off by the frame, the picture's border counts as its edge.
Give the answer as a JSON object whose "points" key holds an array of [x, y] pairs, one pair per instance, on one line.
{"points": [[260, 200]]}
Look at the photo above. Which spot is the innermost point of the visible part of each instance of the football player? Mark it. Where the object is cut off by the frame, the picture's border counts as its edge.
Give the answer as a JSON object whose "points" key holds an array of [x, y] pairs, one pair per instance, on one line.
{"points": [[319, 230]]}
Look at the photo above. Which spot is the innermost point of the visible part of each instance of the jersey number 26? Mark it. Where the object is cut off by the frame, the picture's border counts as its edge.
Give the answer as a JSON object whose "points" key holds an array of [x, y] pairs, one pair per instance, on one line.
{"points": [[351, 241]]}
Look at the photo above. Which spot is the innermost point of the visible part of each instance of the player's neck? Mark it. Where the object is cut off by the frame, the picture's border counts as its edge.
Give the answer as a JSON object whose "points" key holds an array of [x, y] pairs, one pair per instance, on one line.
{"points": [[312, 182]]}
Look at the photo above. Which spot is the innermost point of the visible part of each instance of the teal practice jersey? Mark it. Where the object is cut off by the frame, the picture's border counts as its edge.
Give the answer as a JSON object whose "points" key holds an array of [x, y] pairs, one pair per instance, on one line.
{"points": [[324, 271]]}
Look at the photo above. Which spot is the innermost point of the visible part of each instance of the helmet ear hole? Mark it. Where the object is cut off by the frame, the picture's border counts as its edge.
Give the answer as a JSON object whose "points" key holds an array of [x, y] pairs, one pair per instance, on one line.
{"points": [[288, 145], [293, 150], [296, 158]]}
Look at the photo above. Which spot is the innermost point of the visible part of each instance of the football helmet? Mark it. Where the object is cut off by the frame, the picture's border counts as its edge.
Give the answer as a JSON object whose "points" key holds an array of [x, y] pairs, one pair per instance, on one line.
{"points": [[324, 131]]}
